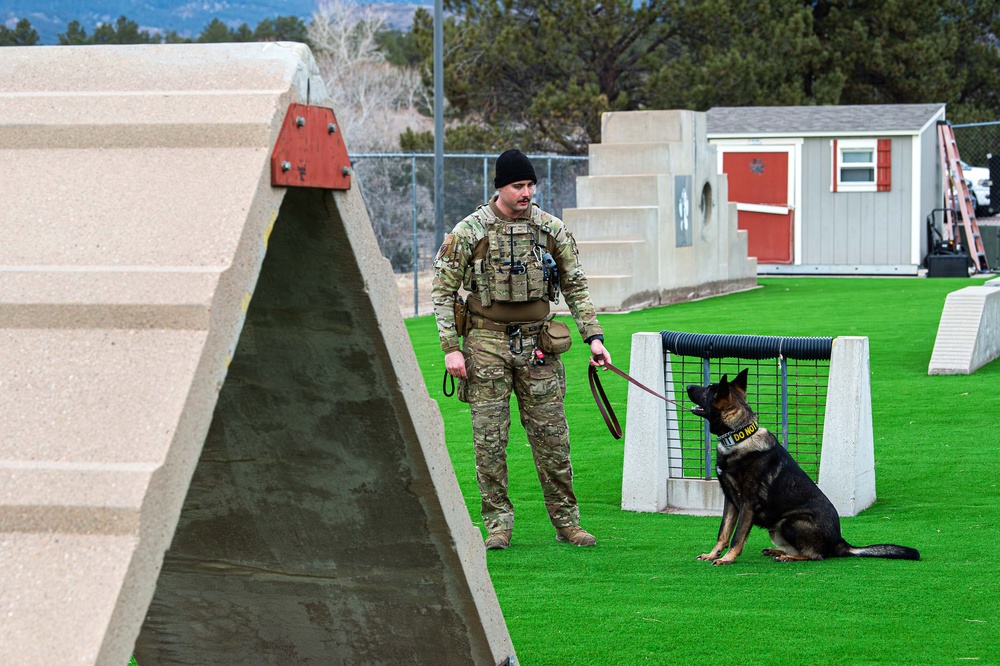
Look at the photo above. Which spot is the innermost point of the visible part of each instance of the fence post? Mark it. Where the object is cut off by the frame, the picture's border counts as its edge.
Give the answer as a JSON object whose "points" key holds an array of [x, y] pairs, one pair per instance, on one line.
{"points": [[413, 190], [486, 179], [847, 458]]}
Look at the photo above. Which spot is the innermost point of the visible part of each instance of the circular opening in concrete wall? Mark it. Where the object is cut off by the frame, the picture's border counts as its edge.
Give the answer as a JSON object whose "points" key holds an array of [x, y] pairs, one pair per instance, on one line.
{"points": [[705, 205]]}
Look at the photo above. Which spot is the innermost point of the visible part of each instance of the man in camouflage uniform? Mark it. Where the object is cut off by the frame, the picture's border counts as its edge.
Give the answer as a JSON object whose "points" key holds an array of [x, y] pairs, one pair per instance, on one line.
{"points": [[512, 259]]}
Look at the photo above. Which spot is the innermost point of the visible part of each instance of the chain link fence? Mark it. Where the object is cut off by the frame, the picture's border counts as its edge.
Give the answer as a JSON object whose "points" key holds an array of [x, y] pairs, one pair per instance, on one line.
{"points": [[979, 147], [398, 189], [977, 142]]}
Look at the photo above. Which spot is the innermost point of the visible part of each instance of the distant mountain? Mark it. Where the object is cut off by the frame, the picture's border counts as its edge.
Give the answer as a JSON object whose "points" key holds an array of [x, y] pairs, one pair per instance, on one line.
{"points": [[187, 17]]}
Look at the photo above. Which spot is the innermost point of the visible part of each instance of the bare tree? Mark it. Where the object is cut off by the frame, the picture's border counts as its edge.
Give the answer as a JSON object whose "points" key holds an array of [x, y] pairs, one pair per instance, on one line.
{"points": [[373, 99]]}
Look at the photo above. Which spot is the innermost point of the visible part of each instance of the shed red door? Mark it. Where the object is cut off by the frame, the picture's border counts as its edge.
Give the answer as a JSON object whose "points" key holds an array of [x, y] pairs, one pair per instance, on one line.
{"points": [[759, 186]]}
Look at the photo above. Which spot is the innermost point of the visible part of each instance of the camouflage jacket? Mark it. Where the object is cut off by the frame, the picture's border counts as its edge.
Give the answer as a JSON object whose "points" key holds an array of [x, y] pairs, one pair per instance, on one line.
{"points": [[453, 262]]}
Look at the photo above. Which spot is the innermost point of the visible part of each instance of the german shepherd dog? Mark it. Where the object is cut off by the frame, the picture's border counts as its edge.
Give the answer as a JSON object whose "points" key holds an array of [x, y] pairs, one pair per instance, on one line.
{"points": [[763, 485]]}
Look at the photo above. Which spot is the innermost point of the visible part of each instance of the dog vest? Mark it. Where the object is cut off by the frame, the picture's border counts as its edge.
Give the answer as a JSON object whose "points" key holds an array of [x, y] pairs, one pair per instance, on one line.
{"points": [[512, 261]]}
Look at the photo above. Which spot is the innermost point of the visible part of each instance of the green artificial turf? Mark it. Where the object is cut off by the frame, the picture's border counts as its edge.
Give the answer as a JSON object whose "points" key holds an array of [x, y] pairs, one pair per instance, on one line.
{"points": [[640, 597]]}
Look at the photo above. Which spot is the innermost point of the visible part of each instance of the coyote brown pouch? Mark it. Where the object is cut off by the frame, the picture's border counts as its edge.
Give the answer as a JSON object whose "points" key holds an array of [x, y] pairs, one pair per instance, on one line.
{"points": [[462, 320], [554, 337]]}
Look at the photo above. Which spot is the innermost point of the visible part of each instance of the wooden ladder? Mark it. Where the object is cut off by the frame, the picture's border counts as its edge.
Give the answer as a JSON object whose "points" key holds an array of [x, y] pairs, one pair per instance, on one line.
{"points": [[956, 190]]}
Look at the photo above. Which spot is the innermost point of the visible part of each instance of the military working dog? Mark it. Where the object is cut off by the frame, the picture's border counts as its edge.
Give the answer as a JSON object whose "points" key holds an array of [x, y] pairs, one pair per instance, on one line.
{"points": [[763, 485]]}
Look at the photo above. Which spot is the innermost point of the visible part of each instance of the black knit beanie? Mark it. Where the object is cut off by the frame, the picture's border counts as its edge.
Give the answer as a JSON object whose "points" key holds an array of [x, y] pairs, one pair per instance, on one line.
{"points": [[513, 166]]}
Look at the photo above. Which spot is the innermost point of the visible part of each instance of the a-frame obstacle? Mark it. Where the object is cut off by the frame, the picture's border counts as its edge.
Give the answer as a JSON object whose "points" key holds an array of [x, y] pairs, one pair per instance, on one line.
{"points": [[217, 446]]}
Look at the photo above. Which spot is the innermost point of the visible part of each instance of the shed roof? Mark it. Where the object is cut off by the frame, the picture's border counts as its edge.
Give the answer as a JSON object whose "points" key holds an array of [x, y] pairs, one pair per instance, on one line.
{"points": [[805, 120]]}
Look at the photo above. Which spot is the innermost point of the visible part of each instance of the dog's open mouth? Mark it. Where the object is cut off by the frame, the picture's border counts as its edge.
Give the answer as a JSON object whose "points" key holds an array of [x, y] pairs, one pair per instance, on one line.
{"points": [[698, 410]]}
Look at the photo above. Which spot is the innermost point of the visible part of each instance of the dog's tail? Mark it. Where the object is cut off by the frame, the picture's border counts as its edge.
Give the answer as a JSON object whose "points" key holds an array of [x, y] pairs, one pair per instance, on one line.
{"points": [[886, 550]]}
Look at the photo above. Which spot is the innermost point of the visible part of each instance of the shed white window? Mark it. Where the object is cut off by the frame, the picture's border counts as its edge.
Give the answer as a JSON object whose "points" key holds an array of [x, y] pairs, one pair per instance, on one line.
{"points": [[861, 165]]}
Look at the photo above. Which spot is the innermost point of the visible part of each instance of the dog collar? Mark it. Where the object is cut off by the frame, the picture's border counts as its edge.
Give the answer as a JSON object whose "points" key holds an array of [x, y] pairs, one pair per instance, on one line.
{"points": [[731, 439]]}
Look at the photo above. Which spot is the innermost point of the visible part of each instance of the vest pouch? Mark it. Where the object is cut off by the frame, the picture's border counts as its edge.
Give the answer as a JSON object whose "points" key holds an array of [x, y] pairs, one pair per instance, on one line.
{"points": [[555, 337], [536, 286], [483, 282], [518, 286]]}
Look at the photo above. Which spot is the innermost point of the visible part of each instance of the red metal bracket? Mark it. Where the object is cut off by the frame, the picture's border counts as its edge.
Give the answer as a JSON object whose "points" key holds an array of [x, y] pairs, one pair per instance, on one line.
{"points": [[310, 150]]}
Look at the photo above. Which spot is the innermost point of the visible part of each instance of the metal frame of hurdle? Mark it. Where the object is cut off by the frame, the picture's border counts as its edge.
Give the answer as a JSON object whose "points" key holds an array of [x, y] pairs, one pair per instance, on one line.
{"points": [[813, 393]]}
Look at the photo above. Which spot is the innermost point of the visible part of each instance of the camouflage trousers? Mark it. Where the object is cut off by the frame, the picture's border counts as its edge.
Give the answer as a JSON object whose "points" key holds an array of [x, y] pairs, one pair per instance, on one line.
{"points": [[493, 373]]}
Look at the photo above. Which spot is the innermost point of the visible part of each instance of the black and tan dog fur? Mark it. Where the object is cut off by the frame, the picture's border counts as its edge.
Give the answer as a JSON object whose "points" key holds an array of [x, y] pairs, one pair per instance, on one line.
{"points": [[763, 485]]}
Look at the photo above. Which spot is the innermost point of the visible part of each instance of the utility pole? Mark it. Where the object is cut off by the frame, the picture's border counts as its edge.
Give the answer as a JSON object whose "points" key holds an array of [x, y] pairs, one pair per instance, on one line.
{"points": [[438, 123]]}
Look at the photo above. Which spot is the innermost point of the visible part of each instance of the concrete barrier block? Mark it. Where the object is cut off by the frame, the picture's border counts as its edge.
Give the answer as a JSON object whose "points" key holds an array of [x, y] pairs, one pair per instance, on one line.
{"points": [[644, 475], [968, 335], [847, 458]]}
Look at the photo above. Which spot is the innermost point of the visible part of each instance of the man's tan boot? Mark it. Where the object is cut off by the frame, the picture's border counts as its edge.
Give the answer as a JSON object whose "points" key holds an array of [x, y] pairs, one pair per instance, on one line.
{"points": [[498, 540], [575, 535]]}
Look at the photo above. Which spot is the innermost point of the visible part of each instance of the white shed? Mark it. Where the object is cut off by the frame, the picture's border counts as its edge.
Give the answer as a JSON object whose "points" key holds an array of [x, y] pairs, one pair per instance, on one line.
{"points": [[832, 189]]}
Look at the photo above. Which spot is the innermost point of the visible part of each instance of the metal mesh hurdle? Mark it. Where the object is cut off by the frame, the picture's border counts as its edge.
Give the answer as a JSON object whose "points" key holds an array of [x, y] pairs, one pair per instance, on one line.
{"points": [[787, 388]]}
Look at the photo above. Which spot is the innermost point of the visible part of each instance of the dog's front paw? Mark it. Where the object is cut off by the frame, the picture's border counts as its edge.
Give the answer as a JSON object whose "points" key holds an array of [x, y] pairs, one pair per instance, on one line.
{"points": [[707, 557], [722, 561]]}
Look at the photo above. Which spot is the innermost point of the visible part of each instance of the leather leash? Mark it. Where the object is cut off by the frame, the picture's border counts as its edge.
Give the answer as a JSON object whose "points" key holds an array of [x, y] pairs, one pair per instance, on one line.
{"points": [[604, 405]]}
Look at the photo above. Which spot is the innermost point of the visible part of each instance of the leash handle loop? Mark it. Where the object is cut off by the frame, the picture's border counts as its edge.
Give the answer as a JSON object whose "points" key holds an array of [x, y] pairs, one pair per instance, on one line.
{"points": [[603, 404], [444, 385]]}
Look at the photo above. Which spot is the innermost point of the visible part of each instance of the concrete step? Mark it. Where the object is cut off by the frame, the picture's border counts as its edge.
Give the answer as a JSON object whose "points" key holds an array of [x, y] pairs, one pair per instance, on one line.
{"points": [[632, 159], [608, 191], [599, 224], [609, 291], [614, 257], [645, 126]]}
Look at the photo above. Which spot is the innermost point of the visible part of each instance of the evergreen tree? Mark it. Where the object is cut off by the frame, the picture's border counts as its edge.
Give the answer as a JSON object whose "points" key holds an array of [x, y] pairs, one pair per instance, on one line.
{"points": [[22, 34], [172, 37], [913, 51], [216, 32], [123, 31], [741, 53], [281, 29], [546, 71], [400, 48], [541, 74], [75, 35], [243, 34]]}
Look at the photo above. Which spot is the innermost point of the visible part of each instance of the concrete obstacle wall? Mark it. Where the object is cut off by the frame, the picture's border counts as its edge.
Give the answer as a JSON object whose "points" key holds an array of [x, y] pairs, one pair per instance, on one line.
{"points": [[652, 479], [847, 459], [653, 222], [968, 335], [195, 359]]}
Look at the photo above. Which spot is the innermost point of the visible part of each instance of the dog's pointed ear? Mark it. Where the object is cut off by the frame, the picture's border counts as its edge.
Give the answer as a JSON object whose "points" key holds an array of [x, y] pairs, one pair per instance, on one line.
{"points": [[722, 388], [741, 380]]}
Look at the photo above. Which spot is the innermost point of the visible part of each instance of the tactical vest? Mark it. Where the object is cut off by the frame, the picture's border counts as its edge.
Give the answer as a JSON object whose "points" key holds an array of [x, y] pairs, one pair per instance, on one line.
{"points": [[512, 262]]}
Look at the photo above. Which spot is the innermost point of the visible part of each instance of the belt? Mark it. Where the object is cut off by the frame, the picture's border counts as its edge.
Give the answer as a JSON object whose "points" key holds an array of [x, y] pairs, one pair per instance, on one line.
{"points": [[531, 328]]}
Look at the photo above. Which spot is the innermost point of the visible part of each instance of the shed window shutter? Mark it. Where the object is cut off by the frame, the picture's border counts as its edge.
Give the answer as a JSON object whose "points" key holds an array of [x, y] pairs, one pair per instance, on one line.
{"points": [[884, 183]]}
